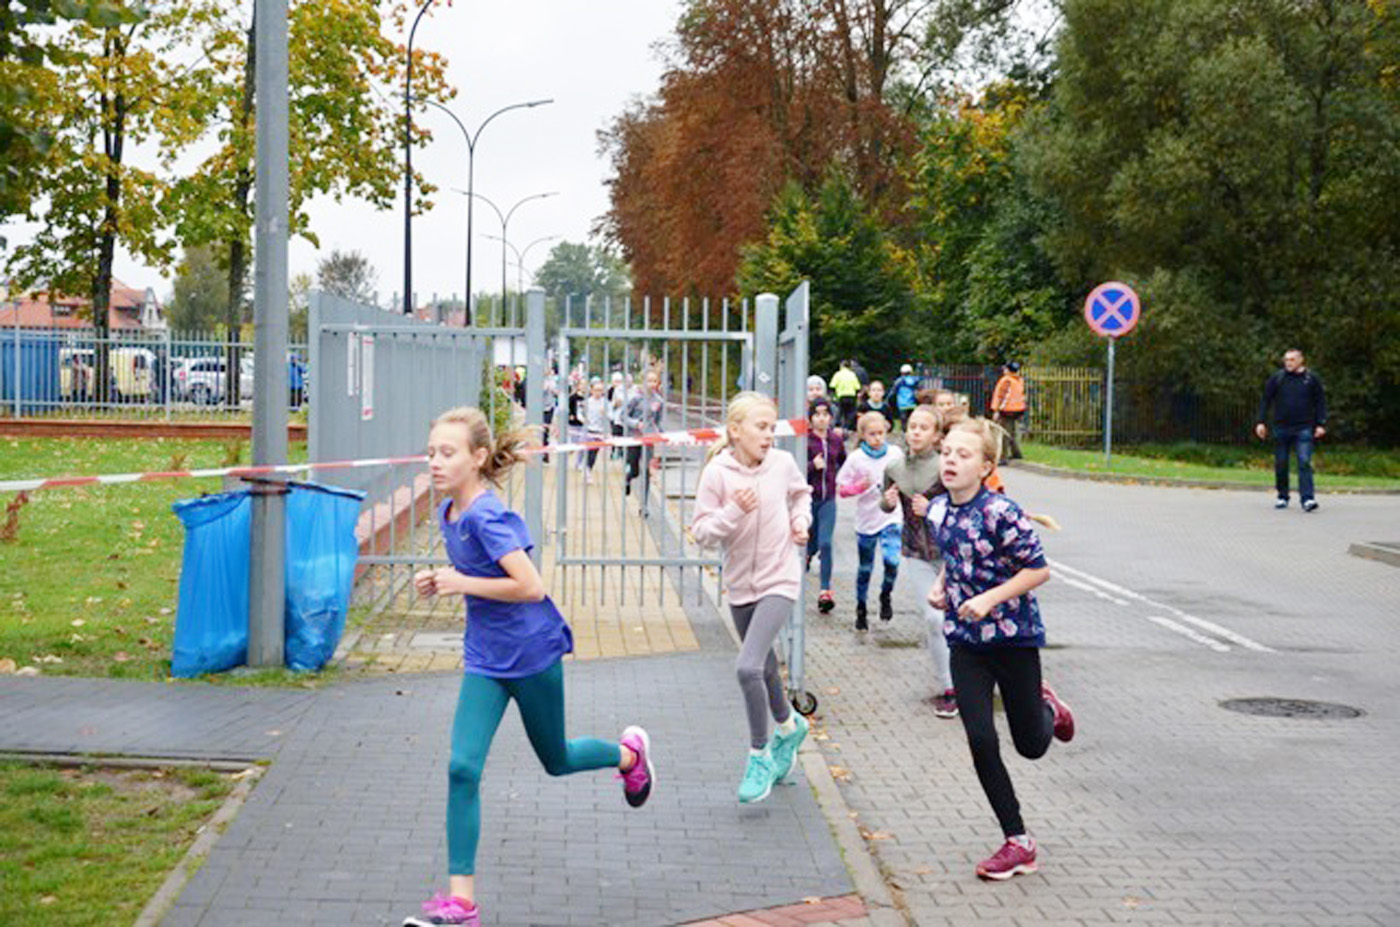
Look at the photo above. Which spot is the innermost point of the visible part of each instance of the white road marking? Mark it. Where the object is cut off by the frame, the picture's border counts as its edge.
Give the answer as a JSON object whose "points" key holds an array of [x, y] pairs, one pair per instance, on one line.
{"points": [[1114, 592]]}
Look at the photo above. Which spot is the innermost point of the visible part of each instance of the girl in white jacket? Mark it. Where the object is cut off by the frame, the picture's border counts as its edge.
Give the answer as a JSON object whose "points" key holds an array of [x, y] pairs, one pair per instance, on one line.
{"points": [[861, 477]]}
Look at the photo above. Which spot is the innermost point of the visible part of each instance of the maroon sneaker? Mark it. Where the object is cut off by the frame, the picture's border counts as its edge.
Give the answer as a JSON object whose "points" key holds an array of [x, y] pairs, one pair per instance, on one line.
{"points": [[945, 704], [1064, 718], [1011, 860]]}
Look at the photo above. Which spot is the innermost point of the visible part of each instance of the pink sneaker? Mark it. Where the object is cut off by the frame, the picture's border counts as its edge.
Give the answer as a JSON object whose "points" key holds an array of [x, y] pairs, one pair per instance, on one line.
{"points": [[1064, 718], [445, 909], [1011, 860], [637, 781]]}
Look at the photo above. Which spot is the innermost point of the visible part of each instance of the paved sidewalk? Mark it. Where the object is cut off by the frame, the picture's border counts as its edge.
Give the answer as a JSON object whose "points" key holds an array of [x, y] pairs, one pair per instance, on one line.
{"points": [[347, 824], [1166, 809]]}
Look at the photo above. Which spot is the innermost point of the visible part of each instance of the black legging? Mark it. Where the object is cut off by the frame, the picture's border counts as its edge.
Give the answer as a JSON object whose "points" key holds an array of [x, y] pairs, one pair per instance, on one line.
{"points": [[1016, 671]]}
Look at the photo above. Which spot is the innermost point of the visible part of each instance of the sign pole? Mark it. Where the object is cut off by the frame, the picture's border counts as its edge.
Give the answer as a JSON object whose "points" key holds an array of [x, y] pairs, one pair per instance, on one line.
{"points": [[1108, 412]]}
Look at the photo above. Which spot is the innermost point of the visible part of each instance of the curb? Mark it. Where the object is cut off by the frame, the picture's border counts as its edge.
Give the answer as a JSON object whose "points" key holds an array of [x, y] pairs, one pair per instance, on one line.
{"points": [[1180, 482], [189, 864], [1376, 550], [858, 856]]}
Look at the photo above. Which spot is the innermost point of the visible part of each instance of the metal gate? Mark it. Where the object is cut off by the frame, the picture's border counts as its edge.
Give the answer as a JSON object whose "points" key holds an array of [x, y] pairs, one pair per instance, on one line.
{"points": [[620, 543]]}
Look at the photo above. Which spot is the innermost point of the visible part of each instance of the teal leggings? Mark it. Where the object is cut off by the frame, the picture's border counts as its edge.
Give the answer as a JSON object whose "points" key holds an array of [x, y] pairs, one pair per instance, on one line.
{"points": [[480, 706]]}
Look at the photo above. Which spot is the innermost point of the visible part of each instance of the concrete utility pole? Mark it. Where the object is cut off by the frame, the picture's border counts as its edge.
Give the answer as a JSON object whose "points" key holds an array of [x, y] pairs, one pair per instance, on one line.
{"points": [[266, 594]]}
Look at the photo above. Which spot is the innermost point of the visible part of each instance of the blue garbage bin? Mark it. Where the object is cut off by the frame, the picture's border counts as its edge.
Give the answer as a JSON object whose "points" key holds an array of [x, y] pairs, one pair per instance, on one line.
{"points": [[321, 554], [211, 624]]}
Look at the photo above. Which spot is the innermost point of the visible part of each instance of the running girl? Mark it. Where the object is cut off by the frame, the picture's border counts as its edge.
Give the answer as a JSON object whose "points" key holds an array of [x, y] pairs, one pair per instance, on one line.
{"points": [[875, 401], [992, 560], [514, 640], [642, 416], [861, 477], [909, 485], [753, 502], [595, 421], [826, 452]]}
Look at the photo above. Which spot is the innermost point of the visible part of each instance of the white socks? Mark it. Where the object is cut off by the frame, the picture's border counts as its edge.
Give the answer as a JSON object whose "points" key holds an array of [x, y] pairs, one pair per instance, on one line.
{"points": [[788, 726], [1023, 841]]}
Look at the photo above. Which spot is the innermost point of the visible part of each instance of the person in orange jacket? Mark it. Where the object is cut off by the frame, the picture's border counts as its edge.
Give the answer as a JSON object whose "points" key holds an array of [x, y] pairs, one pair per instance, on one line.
{"points": [[1009, 404]]}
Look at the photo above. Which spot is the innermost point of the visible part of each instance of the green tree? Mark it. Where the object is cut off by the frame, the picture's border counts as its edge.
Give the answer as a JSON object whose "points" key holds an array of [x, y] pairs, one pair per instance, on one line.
{"points": [[1237, 164], [347, 274], [861, 281], [582, 271], [201, 292]]}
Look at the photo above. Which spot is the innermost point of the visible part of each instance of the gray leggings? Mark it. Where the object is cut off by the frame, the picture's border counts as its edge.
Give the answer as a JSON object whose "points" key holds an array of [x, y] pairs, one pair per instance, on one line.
{"points": [[758, 624]]}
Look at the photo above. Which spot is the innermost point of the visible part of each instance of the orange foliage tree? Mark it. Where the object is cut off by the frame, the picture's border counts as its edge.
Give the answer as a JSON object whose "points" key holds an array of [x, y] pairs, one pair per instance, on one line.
{"points": [[758, 93]]}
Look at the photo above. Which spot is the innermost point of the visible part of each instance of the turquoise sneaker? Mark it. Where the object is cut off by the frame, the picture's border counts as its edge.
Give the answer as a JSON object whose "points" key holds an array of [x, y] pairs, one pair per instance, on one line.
{"points": [[784, 747], [758, 778]]}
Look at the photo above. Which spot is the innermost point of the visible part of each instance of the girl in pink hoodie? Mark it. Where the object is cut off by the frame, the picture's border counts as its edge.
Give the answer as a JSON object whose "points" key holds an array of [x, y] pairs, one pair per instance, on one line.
{"points": [[754, 502]]}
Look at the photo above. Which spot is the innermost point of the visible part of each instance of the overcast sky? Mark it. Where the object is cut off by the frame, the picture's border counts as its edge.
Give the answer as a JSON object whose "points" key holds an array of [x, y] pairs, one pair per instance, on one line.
{"points": [[591, 56]]}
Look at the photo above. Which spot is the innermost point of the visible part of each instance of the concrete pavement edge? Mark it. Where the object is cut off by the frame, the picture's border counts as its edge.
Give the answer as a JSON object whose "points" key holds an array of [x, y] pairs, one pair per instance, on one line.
{"points": [[1067, 474], [857, 854], [175, 881]]}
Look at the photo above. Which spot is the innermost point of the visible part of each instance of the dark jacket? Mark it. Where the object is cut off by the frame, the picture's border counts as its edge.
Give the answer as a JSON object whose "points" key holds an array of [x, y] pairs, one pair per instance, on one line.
{"points": [[833, 447], [1297, 398]]}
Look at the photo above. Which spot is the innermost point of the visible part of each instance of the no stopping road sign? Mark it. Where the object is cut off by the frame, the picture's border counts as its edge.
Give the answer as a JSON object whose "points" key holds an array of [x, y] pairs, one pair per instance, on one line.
{"points": [[1112, 309]]}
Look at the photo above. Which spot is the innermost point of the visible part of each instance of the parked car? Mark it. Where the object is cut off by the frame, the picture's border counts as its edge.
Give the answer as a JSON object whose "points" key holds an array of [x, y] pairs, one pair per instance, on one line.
{"points": [[203, 379]]}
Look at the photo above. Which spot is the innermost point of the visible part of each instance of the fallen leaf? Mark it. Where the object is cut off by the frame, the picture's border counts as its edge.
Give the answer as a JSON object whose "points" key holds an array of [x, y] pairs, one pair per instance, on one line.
{"points": [[7, 666], [77, 622], [50, 899], [165, 611], [1132, 903], [813, 899], [840, 774], [121, 656], [834, 690], [27, 671], [274, 733], [245, 774]]}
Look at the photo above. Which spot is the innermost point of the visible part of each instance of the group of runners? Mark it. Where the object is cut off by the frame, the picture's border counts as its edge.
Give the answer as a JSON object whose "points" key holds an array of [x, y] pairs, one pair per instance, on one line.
{"points": [[934, 509]]}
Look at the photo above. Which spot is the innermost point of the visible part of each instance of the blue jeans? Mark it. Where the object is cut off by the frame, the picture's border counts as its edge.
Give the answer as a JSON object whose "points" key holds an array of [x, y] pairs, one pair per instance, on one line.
{"points": [[1299, 439], [819, 538], [887, 539]]}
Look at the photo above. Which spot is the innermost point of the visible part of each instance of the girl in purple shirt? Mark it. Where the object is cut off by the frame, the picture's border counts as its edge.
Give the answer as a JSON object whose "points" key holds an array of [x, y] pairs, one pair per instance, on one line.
{"points": [[515, 638]]}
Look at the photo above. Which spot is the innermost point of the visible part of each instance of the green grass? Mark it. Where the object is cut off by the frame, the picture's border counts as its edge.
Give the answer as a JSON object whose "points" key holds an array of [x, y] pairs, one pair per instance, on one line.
{"points": [[91, 846], [1336, 467], [90, 583]]}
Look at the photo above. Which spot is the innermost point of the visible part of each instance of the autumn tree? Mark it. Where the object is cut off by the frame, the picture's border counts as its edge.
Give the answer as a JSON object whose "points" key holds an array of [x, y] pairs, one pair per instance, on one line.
{"points": [[755, 95], [123, 80], [345, 135]]}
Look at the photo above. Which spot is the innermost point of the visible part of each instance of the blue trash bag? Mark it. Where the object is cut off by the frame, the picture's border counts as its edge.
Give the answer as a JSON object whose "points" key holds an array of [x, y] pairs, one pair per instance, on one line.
{"points": [[211, 624], [321, 555]]}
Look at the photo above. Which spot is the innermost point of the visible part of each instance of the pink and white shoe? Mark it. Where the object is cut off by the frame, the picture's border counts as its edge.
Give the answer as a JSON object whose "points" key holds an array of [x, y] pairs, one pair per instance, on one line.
{"points": [[445, 909], [1011, 860], [637, 781]]}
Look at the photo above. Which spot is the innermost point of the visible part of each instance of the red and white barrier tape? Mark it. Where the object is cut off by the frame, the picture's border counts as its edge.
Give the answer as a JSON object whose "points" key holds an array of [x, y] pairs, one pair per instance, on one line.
{"points": [[783, 428]]}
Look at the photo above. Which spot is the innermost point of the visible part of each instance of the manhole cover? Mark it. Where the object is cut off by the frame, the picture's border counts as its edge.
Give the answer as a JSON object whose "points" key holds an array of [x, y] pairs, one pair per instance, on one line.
{"points": [[1290, 708]]}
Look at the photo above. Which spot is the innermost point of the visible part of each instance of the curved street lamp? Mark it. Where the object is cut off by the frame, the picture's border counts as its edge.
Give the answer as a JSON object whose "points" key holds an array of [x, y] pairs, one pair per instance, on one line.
{"points": [[520, 256], [505, 227], [471, 139]]}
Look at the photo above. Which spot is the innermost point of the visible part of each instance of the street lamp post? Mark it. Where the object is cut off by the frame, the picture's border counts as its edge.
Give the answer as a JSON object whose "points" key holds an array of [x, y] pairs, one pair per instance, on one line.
{"points": [[505, 228], [408, 167], [471, 138], [520, 256]]}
